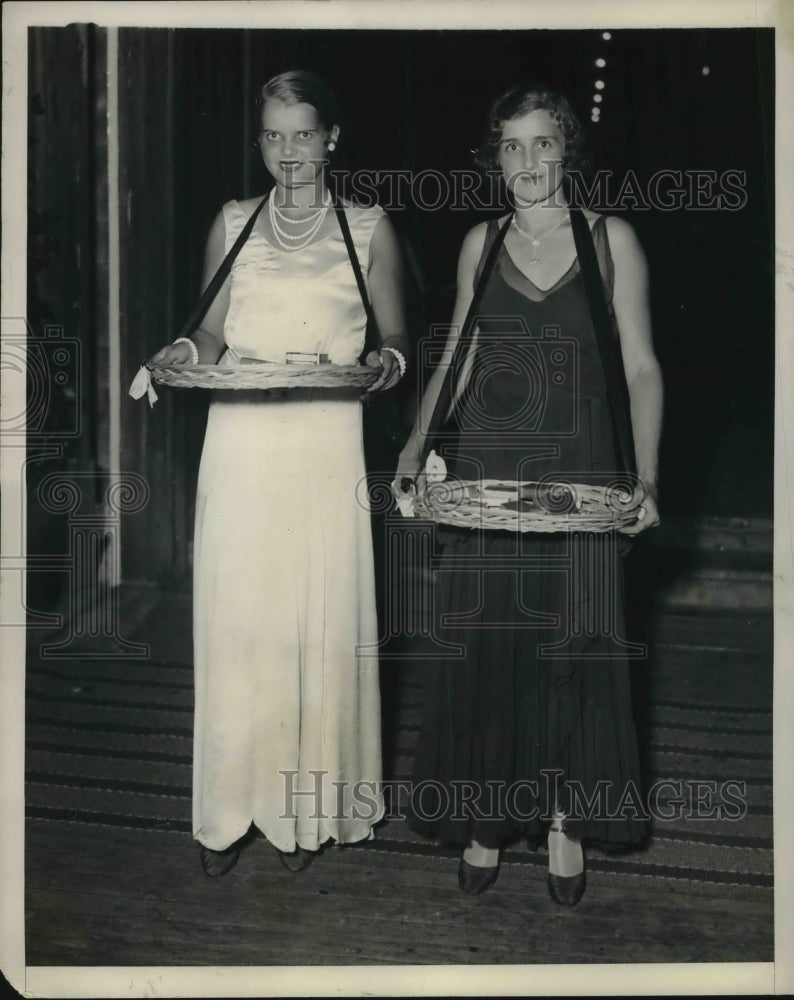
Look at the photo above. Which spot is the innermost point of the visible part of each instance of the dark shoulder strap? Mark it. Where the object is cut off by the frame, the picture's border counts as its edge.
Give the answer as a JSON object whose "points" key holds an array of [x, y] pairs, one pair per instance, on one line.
{"points": [[445, 396], [362, 288], [220, 275], [491, 234], [351, 252], [608, 350]]}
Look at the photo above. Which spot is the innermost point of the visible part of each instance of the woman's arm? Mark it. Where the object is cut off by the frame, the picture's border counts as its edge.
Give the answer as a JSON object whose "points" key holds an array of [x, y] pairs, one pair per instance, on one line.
{"points": [[643, 375], [470, 254], [208, 338], [386, 276]]}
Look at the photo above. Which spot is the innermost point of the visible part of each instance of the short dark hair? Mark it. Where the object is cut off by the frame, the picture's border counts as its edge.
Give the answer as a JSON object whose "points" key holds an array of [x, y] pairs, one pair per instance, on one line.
{"points": [[521, 100], [299, 86]]}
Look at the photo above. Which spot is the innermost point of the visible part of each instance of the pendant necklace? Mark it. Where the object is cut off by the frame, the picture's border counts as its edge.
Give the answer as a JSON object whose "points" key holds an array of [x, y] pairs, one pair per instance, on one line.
{"points": [[535, 239], [292, 241]]}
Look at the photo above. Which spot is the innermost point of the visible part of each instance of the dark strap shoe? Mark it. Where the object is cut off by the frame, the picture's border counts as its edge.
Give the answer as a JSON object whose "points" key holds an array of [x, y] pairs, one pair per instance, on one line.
{"points": [[217, 863], [298, 860], [474, 880], [566, 890]]}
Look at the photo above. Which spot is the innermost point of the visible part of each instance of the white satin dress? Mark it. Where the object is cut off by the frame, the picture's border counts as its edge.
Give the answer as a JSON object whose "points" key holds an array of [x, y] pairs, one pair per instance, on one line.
{"points": [[287, 702]]}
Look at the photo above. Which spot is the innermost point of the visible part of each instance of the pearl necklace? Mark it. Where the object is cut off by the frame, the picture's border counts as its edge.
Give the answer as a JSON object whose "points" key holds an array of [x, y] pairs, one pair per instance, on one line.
{"points": [[537, 237], [288, 241]]}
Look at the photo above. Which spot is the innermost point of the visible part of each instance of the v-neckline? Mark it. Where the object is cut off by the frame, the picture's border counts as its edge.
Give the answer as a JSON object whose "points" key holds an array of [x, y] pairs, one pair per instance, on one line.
{"points": [[524, 278]]}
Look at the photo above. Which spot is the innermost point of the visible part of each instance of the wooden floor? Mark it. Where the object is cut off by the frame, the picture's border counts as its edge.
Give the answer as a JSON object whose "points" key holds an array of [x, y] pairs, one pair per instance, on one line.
{"points": [[115, 896], [126, 897]]}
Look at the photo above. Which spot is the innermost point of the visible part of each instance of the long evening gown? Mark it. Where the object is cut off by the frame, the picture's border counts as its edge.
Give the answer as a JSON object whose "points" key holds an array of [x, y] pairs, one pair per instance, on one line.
{"points": [[540, 691], [286, 681]]}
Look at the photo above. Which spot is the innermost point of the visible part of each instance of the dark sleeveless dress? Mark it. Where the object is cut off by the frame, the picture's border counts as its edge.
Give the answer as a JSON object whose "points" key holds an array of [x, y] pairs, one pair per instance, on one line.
{"points": [[535, 710]]}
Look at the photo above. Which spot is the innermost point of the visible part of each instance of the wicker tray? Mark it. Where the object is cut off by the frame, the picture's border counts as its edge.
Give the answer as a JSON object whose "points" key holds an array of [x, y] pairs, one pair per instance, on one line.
{"points": [[526, 506], [265, 375]]}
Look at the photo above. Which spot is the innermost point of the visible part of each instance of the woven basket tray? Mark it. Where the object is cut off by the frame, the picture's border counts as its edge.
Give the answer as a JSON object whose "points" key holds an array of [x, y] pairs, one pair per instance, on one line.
{"points": [[527, 506], [265, 375]]}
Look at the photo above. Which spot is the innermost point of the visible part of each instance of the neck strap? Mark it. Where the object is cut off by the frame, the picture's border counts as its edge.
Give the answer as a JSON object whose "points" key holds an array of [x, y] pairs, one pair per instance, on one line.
{"points": [[611, 362], [445, 396], [220, 275], [372, 326]]}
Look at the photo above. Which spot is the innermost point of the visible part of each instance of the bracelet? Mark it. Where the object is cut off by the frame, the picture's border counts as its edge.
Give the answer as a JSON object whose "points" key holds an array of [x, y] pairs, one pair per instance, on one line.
{"points": [[400, 357], [194, 354]]}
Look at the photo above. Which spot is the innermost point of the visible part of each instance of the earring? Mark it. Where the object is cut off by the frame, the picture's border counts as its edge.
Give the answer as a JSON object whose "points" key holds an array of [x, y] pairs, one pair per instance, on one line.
{"points": [[331, 146]]}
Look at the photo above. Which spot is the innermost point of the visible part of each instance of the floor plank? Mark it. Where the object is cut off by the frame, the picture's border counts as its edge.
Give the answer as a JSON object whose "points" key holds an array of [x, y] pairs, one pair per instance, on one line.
{"points": [[112, 897], [103, 895]]}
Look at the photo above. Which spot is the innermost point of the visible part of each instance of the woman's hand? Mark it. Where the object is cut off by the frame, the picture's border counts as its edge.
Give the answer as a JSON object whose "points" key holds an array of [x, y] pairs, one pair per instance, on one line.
{"points": [[390, 375], [172, 354], [408, 468], [648, 514]]}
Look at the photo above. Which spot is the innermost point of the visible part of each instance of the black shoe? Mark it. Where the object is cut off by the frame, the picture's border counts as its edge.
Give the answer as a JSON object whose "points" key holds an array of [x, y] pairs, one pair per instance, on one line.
{"points": [[474, 880], [217, 863], [566, 890], [298, 860]]}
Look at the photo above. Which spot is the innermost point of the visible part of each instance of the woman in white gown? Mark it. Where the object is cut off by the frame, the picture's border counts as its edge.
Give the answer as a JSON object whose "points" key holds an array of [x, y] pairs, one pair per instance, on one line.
{"points": [[287, 705]]}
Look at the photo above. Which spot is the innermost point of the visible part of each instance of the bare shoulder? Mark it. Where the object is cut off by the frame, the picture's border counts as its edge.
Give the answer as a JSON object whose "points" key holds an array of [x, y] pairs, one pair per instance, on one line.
{"points": [[615, 226], [631, 265], [470, 253], [246, 208], [367, 214], [474, 241], [384, 236], [621, 234], [217, 232], [249, 204]]}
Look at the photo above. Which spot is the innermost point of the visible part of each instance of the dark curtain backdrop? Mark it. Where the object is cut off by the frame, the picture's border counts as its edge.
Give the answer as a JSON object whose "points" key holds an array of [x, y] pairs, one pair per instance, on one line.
{"points": [[67, 412], [417, 101]]}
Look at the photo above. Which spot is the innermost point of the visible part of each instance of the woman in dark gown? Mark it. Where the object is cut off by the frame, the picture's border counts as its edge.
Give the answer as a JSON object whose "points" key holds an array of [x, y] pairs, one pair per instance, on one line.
{"points": [[530, 727]]}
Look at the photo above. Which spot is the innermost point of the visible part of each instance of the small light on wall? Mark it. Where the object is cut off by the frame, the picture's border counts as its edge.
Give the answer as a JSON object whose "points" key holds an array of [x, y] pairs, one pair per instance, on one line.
{"points": [[599, 85], [606, 36], [706, 70], [600, 63]]}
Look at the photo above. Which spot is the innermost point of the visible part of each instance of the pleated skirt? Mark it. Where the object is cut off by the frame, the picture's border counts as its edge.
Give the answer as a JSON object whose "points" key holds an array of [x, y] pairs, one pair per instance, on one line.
{"points": [[534, 710]]}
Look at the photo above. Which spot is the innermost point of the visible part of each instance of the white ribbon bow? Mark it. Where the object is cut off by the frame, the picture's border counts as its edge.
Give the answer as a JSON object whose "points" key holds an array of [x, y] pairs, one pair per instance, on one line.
{"points": [[404, 501], [435, 471], [435, 468], [142, 383]]}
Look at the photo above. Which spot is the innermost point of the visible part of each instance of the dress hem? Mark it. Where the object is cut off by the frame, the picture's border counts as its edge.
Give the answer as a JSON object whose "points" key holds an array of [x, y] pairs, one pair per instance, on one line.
{"points": [[313, 845]]}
